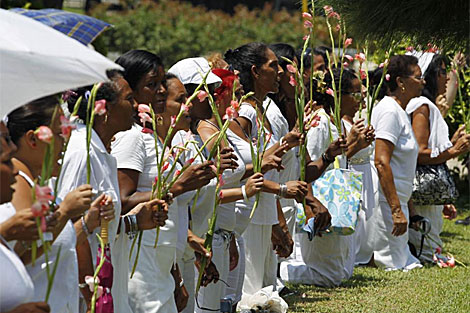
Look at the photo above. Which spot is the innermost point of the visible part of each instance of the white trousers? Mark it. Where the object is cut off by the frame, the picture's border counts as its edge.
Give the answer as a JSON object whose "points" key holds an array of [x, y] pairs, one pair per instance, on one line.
{"points": [[186, 265], [434, 214], [152, 286], [391, 252], [363, 239], [261, 261], [209, 297], [236, 277]]}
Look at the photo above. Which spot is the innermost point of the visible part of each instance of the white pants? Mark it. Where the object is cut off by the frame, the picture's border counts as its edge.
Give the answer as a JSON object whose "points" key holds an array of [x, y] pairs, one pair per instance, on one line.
{"points": [[186, 265], [152, 286], [363, 239], [434, 214], [261, 261], [327, 260], [236, 277], [209, 297], [391, 252]]}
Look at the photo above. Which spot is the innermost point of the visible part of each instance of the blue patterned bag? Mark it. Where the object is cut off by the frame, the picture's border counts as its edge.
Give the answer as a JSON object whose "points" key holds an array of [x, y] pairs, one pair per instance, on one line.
{"points": [[340, 191]]}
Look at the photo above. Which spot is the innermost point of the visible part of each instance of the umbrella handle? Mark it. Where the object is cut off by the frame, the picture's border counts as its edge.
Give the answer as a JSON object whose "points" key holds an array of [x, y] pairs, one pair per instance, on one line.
{"points": [[104, 230]]}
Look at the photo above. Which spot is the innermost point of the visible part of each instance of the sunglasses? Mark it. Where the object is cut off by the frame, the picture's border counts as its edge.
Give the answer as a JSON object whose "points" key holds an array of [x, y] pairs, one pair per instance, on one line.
{"points": [[356, 95]]}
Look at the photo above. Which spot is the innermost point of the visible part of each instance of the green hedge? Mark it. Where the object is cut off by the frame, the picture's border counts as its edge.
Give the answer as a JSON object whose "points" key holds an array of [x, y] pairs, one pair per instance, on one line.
{"points": [[176, 30]]}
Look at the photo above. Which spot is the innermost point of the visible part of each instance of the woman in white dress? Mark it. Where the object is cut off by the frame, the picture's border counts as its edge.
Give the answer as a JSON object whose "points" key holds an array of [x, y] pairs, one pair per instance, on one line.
{"points": [[16, 286], [435, 146], [396, 153], [28, 159], [118, 117]]}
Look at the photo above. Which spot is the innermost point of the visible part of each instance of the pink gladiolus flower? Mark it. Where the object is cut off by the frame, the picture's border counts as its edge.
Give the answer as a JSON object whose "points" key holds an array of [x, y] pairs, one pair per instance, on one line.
{"points": [[43, 193], [306, 15], [100, 107], [235, 105], [44, 133], [173, 121], [66, 126], [189, 162], [350, 58], [348, 42], [292, 81], [305, 37], [381, 65], [145, 118], [308, 24], [230, 114], [387, 77], [334, 15], [361, 57], [39, 208], [330, 92], [91, 285], [146, 130], [328, 9], [143, 108], [155, 180], [165, 166], [291, 68], [185, 108], [410, 48], [363, 74], [202, 95]]}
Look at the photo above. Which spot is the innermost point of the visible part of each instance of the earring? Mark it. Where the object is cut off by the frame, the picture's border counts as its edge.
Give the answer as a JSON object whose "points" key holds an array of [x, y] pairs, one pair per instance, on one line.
{"points": [[402, 89], [106, 118]]}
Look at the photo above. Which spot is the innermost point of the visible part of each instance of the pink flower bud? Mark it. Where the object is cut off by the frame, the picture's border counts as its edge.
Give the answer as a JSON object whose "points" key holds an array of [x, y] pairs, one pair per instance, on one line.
{"points": [[308, 24], [348, 42], [44, 133], [346, 64], [100, 107], [328, 9], [189, 162], [39, 208], [291, 68], [173, 121], [361, 57], [330, 92], [202, 95], [43, 193], [363, 74], [410, 48], [387, 77], [66, 126], [305, 37], [146, 130], [221, 195], [235, 105], [230, 114], [143, 108], [177, 173], [185, 108], [292, 81], [306, 15], [165, 166], [350, 58]]}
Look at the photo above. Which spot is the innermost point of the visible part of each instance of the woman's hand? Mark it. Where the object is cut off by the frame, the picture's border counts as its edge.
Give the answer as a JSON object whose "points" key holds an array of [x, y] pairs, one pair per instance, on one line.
{"points": [[254, 184], [336, 148], [180, 294], [293, 138], [449, 211], [210, 272], [197, 244], [441, 103], [461, 146], [320, 213], [400, 224], [233, 254], [32, 307], [76, 202], [194, 177], [22, 226], [228, 160], [150, 214], [458, 133], [296, 190], [274, 160], [282, 241], [102, 207]]}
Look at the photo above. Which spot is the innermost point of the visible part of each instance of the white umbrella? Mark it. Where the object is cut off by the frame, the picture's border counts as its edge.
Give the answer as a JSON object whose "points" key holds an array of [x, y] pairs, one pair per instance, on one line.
{"points": [[37, 60]]}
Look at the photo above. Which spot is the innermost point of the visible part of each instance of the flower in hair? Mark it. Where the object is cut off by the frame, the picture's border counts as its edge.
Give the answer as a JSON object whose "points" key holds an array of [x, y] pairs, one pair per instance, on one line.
{"points": [[202, 95], [44, 133]]}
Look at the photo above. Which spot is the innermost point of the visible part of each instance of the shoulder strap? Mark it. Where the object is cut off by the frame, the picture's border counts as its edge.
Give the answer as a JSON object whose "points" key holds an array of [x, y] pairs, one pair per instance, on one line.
{"points": [[27, 178]]}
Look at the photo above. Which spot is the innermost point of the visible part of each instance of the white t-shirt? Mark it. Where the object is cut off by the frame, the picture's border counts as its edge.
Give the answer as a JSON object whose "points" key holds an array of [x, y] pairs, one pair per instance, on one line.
{"points": [[16, 287], [104, 180], [143, 159], [392, 123]]}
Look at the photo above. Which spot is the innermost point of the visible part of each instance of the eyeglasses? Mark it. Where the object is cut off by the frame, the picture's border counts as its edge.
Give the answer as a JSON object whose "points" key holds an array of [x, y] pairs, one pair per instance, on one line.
{"points": [[356, 95]]}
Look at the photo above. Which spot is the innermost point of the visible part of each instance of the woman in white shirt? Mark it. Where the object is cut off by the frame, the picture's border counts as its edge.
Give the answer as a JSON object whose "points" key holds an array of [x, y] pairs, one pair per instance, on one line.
{"points": [[259, 72], [435, 146], [396, 153], [118, 117]]}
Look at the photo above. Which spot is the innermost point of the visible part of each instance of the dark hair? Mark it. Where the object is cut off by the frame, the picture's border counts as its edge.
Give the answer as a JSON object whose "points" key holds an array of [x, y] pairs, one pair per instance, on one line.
{"points": [[30, 116], [346, 84], [108, 91], [430, 76], [374, 77], [243, 58], [400, 66], [320, 50], [137, 63]]}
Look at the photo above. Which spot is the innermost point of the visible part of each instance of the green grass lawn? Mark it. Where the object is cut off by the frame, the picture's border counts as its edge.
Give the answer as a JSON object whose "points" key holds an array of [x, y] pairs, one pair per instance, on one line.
{"points": [[429, 289]]}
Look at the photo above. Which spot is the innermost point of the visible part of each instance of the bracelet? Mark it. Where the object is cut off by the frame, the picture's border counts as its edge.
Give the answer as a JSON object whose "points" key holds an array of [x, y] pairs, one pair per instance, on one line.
{"points": [[245, 197], [84, 227], [82, 285], [325, 158], [132, 224], [181, 283], [280, 140], [282, 191]]}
